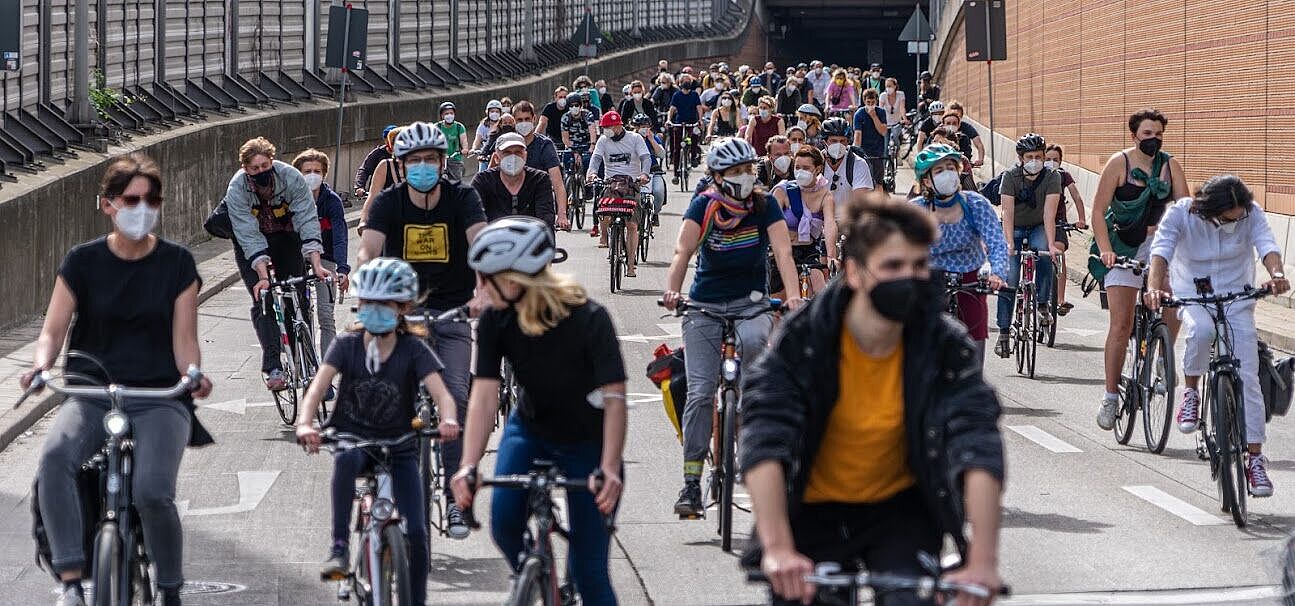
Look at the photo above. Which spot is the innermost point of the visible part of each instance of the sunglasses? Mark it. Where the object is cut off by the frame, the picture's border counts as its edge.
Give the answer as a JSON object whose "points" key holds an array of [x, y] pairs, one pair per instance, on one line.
{"points": [[154, 201], [1221, 220]]}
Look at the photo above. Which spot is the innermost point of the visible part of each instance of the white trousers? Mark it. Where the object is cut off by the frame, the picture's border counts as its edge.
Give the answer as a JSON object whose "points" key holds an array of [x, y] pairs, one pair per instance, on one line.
{"points": [[1198, 337]]}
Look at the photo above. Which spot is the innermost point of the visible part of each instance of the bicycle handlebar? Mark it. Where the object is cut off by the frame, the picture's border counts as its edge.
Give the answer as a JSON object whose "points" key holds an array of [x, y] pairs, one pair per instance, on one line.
{"points": [[1122, 262], [537, 478], [684, 306], [457, 314], [348, 441], [1247, 292], [828, 575], [188, 382]]}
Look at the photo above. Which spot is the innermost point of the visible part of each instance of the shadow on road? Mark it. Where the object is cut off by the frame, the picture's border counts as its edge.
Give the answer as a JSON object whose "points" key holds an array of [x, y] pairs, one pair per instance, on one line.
{"points": [[1022, 411], [1055, 522]]}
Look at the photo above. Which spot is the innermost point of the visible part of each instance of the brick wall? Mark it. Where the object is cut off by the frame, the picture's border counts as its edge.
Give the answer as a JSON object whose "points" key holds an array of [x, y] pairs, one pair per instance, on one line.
{"points": [[1223, 72]]}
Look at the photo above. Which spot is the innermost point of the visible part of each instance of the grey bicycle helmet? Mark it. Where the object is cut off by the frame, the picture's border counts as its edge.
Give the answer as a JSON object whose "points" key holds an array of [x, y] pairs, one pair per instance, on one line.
{"points": [[418, 136], [386, 279], [809, 108], [444, 106], [729, 152], [518, 243], [936, 107]]}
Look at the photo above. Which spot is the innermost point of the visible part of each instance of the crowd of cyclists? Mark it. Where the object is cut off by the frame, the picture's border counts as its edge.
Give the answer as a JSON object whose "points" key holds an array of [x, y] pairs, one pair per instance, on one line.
{"points": [[868, 431]]}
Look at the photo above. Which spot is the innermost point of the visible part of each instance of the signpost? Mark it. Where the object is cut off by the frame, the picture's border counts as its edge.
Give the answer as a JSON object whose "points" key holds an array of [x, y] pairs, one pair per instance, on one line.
{"points": [[986, 23], [917, 33], [347, 52], [587, 37]]}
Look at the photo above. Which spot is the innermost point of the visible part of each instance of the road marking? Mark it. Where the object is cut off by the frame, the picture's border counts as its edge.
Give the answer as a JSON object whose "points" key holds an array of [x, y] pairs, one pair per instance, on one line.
{"points": [[1043, 438], [642, 338], [675, 329], [1082, 332], [643, 398], [1148, 598], [252, 488], [1175, 505], [238, 406]]}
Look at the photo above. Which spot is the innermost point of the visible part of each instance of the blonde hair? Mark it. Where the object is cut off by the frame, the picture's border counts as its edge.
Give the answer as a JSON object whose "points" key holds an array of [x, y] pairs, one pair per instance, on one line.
{"points": [[259, 146], [311, 155], [547, 301]]}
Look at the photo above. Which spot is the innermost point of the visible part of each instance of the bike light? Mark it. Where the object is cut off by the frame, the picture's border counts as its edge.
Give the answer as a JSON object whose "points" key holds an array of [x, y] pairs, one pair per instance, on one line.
{"points": [[116, 424], [382, 509], [730, 369]]}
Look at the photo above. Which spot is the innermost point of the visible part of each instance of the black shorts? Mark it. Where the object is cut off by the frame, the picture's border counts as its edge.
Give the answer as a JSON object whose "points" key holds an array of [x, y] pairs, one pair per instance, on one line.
{"points": [[1062, 237], [804, 254]]}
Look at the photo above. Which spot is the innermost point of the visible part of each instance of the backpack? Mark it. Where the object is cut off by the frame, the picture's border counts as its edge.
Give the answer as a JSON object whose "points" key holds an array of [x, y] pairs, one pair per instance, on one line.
{"points": [[992, 190], [668, 373], [1275, 379]]}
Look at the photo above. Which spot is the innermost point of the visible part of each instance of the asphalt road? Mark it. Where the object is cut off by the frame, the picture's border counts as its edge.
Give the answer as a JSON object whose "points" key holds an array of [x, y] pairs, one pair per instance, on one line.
{"points": [[1086, 521]]}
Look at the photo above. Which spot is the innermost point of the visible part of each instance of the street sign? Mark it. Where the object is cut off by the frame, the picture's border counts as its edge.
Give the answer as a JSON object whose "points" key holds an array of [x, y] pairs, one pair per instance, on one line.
{"points": [[918, 48], [587, 33], [917, 29], [356, 33], [986, 23], [10, 35]]}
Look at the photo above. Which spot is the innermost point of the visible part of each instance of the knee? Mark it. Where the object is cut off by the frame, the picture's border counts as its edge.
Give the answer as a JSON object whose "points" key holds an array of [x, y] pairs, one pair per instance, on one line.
{"points": [[59, 459], [153, 494]]}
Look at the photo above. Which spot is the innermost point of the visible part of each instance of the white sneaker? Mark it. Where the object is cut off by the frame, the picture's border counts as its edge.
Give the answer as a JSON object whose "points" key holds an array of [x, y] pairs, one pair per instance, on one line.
{"points": [[1106, 415], [69, 596]]}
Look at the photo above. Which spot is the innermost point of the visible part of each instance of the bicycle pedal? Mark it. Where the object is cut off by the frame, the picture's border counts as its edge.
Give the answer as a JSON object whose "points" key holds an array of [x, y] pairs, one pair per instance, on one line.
{"points": [[333, 576], [694, 516]]}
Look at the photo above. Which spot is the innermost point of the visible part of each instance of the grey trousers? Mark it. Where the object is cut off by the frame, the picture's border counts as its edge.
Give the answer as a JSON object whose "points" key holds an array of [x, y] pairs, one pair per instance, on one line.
{"points": [[702, 338], [452, 342], [325, 306], [161, 432]]}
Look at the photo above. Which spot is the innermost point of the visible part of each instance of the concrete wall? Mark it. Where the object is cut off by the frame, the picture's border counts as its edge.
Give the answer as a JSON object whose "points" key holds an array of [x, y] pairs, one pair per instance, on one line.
{"points": [[44, 215]]}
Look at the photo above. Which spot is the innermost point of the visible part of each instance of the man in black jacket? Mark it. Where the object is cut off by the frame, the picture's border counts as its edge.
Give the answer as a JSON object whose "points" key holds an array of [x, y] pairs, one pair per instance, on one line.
{"points": [[871, 402]]}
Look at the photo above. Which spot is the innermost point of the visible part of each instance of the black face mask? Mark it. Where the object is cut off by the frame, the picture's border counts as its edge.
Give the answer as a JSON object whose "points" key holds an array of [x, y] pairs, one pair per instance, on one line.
{"points": [[898, 300], [263, 178], [1150, 146], [618, 136]]}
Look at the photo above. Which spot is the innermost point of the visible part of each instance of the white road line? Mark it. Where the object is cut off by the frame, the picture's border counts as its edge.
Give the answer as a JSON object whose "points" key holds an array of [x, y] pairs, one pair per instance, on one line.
{"points": [[1176, 506], [1250, 595], [1043, 438]]}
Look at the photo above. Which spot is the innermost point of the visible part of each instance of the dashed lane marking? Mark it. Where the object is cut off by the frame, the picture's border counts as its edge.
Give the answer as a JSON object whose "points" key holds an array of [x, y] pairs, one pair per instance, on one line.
{"points": [[1176, 506], [1043, 438]]}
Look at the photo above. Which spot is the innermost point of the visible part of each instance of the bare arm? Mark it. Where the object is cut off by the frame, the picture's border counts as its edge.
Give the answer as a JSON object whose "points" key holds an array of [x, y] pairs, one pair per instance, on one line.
{"points": [[780, 241], [878, 124], [1106, 185], [58, 318], [371, 244], [1179, 180], [980, 150], [184, 335], [1050, 203], [376, 186], [315, 394], [1079, 203], [482, 407], [829, 225], [615, 422], [559, 191], [1009, 221]]}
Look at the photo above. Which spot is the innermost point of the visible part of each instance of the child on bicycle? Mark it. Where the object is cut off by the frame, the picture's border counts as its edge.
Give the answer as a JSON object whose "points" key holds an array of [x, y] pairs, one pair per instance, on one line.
{"points": [[382, 361]]}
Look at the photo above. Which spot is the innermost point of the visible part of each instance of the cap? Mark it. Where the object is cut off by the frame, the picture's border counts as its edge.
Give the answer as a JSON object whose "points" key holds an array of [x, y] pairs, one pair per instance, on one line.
{"points": [[510, 140]]}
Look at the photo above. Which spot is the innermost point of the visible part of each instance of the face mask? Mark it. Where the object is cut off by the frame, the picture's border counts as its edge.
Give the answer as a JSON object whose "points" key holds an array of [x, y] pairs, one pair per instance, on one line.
{"points": [[512, 165], [836, 150], [804, 178], [643, 131], [1032, 167], [764, 114], [1228, 228], [378, 319], [574, 109], [449, 118], [1150, 146], [738, 187], [840, 81], [561, 103], [616, 135], [494, 116], [313, 180], [897, 300], [727, 103], [719, 86], [1050, 165], [135, 222], [639, 96], [423, 177], [602, 90], [795, 147], [791, 88], [890, 90], [782, 163], [525, 128], [264, 178], [802, 125], [876, 75], [508, 110], [946, 183]]}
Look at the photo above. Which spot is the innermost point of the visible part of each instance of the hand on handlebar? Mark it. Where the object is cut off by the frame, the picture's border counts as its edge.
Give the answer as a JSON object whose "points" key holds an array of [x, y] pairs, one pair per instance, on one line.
{"points": [[29, 377], [1081, 224], [793, 303], [308, 437], [976, 576], [262, 286], [448, 431], [786, 570], [1277, 286], [1108, 258], [670, 299], [995, 282]]}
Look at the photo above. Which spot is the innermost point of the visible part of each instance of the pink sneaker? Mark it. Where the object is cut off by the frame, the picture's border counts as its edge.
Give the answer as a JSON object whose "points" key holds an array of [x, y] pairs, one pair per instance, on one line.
{"points": [[1189, 415], [1257, 476]]}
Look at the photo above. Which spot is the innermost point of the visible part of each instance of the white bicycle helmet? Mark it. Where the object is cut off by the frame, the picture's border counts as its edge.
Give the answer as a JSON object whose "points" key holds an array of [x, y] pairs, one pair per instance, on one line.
{"points": [[935, 107], [418, 136], [729, 152], [522, 244], [386, 279]]}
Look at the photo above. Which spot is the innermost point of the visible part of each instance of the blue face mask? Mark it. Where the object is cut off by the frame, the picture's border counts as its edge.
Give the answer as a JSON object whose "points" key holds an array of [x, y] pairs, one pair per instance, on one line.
{"points": [[423, 177], [378, 319]]}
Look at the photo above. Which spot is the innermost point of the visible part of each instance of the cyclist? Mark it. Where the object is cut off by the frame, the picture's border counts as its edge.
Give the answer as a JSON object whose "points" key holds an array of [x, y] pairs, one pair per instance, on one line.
{"points": [[542, 154], [624, 158], [840, 97], [638, 103], [892, 100], [685, 110], [870, 133], [867, 431], [1217, 234], [383, 177], [754, 91], [790, 97], [928, 92], [763, 125], [273, 216], [809, 210], [953, 113], [379, 153], [313, 165], [507, 104], [947, 135], [457, 136], [1030, 194], [872, 79], [429, 222], [845, 172], [811, 121], [731, 227], [968, 228], [642, 124], [933, 120], [776, 165], [485, 128], [664, 92], [1052, 161], [1136, 185], [818, 77], [382, 362], [512, 188], [796, 139], [551, 114], [130, 299], [604, 100], [725, 119], [717, 87], [567, 362]]}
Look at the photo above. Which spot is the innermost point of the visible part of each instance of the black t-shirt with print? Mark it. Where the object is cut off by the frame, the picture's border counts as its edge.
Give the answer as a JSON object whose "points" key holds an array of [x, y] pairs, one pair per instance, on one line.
{"points": [[125, 311], [556, 370], [378, 405], [434, 241]]}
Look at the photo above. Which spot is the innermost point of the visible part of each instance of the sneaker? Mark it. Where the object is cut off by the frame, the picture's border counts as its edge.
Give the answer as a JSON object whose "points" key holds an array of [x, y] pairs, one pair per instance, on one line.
{"points": [[275, 380], [1189, 416], [335, 568], [689, 503], [1257, 475], [656, 220], [1106, 415], [674, 180], [71, 595], [1003, 348], [593, 233], [1064, 308], [456, 526]]}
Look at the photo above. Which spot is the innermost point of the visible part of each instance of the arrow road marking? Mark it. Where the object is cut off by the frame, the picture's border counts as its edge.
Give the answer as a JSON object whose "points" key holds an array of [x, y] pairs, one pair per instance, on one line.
{"points": [[643, 398], [675, 329], [252, 488], [641, 338], [238, 406]]}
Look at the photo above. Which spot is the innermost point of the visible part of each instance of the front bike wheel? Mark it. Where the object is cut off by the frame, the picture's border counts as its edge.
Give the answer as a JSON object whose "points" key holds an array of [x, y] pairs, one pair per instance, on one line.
{"points": [[310, 366], [728, 463], [141, 578], [1032, 343], [1052, 326], [614, 244], [285, 400], [107, 566], [394, 577], [1229, 440], [1158, 388], [531, 586], [1130, 393]]}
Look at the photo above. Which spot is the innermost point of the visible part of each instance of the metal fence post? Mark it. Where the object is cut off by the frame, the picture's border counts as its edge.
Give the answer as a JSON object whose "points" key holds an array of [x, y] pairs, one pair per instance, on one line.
{"points": [[528, 32], [231, 37], [312, 36], [159, 40], [82, 114], [393, 32]]}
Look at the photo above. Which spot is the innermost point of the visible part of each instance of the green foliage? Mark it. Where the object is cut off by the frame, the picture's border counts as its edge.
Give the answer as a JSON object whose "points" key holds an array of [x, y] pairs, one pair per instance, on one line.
{"points": [[103, 97]]}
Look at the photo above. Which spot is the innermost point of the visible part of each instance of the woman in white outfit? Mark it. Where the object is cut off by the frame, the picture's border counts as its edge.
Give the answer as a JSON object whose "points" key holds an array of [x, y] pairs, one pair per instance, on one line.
{"points": [[1217, 235]]}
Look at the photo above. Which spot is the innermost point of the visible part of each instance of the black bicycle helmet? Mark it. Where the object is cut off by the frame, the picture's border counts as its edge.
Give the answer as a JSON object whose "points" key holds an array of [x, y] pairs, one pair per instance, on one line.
{"points": [[1030, 142], [640, 120], [835, 127], [574, 99], [925, 76]]}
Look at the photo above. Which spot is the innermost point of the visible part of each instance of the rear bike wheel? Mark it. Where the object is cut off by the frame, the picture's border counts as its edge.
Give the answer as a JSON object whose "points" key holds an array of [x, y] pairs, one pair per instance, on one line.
{"points": [[285, 400], [1158, 388], [728, 462], [107, 566], [531, 586], [615, 242], [394, 578], [1130, 392]]}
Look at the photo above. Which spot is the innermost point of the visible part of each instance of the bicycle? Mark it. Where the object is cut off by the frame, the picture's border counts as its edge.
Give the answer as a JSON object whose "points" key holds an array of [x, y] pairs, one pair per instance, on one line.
{"points": [[1052, 309], [891, 162], [723, 458], [1223, 442], [909, 133], [827, 577], [537, 579], [120, 568], [954, 286], [617, 234], [803, 272], [298, 358], [647, 200], [1147, 381], [1026, 334], [379, 574], [575, 186], [685, 141]]}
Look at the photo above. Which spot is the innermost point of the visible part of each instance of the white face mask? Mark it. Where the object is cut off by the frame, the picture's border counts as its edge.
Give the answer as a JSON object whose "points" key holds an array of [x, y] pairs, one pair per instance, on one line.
{"points": [[1050, 165], [643, 131], [494, 116], [802, 124], [791, 88], [739, 186], [726, 103], [135, 222], [782, 163], [836, 150], [638, 96], [1032, 167], [795, 147], [890, 90], [1228, 228], [525, 128], [449, 118], [804, 178], [946, 183], [313, 180], [764, 114], [512, 165], [602, 90]]}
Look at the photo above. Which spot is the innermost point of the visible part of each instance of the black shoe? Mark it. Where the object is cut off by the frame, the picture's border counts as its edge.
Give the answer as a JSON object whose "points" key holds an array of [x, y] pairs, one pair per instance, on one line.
{"points": [[674, 180], [335, 568], [170, 597], [689, 503], [656, 220], [1003, 348]]}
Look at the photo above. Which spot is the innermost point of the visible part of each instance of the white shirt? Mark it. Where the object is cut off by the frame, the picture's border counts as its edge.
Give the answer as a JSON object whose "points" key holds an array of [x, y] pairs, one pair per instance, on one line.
{"points": [[893, 113], [862, 180], [819, 82], [628, 157], [1196, 248]]}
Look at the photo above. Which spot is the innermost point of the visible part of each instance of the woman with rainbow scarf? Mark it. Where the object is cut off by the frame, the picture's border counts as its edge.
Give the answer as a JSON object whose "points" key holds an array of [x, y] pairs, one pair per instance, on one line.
{"points": [[731, 227]]}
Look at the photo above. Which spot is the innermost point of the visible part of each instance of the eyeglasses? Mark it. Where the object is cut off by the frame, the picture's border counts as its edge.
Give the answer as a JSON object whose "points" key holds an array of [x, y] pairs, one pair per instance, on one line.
{"points": [[154, 201], [1221, 220]]}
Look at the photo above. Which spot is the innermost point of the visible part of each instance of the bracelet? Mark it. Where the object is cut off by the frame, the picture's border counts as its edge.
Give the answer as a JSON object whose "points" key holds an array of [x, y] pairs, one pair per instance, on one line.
{"points": [[456, 423]]}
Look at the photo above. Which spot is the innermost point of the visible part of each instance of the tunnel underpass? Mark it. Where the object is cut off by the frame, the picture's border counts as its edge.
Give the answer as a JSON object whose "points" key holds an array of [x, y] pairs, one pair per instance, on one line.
{"points": [[847, 32]]}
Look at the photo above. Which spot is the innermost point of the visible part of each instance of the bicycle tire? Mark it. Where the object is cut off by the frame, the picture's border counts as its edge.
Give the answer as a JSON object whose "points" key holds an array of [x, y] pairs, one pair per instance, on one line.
{"points": [[141, 580], [429, 494], [285, 400], [614, 255], [1130, 392], [1158, 382], [1032, 344], [107, 566], [394, 577], [1230, 438], [1222, 441], [531, 586], [728, 461], [309, 367], [1052, 327], [645, 235]]}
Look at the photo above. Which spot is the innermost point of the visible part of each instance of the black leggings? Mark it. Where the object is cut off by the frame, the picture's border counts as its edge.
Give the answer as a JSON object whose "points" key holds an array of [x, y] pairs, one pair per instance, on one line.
{"points": [[285, 254]]}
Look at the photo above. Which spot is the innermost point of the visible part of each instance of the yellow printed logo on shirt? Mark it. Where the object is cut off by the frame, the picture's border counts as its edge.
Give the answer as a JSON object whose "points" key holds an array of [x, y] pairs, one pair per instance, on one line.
{"points": [[427, 243]]}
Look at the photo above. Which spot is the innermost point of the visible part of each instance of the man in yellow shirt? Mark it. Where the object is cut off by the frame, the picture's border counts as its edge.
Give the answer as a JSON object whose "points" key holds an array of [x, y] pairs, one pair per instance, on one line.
{"points": [[872, 404]]}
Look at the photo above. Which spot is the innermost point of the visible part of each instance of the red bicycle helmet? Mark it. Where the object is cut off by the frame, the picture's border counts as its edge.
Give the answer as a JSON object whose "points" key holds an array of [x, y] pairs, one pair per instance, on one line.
{"points": [[611, 118]]}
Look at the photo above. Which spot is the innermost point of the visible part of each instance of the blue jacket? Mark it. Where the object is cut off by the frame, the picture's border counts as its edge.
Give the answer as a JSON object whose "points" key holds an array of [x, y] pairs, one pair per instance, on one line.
{"points": [[332, 226]]}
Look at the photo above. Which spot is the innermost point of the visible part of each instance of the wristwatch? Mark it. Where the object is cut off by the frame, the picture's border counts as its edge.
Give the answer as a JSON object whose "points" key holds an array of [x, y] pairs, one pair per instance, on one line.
{"points": [[1277, 275]]}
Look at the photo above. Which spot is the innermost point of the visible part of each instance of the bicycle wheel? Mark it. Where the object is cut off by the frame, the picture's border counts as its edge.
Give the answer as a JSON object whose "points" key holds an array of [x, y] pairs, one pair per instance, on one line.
{"points": [[394, 576], [309, 366], [1230, 439], [1130, 393], [888, 177], [1158, 388], [1032, 343], [531, 586], [425, 477], [141, 578], [107, 566], [285, 400], [1052, 326], [614, 243], [728, 464]]}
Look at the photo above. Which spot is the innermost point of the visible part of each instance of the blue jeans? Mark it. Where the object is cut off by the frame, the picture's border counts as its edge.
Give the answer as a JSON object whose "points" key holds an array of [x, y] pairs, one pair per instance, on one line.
{"points": [[590, 540], [406, 487], [1043, 274]]}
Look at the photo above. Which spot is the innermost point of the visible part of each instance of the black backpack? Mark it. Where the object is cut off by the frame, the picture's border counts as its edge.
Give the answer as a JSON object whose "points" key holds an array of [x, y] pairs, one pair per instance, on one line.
{"points": [[1275, 378], [991, 190]]}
